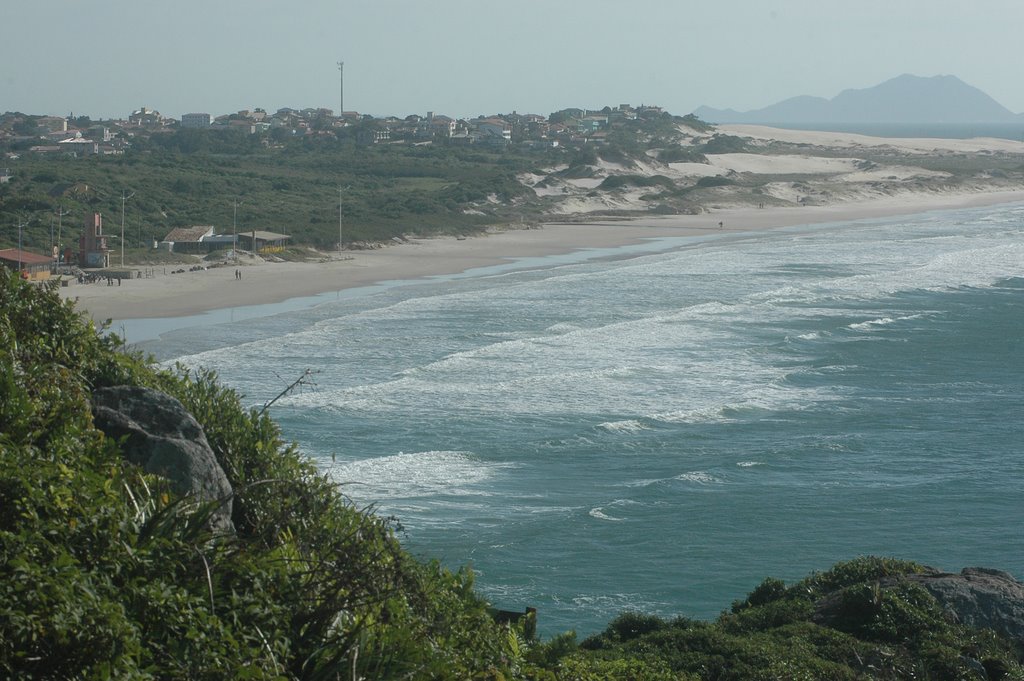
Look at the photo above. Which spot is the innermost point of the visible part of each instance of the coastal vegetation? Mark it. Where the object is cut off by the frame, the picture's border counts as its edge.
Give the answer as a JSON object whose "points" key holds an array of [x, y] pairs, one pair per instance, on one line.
{"points": [[329, 184], [301, 186], [293, 189], [107, 572]]}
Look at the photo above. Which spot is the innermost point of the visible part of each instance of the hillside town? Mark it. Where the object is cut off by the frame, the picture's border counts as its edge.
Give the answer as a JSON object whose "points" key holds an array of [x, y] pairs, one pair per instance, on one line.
{"points": [[81, 136]]}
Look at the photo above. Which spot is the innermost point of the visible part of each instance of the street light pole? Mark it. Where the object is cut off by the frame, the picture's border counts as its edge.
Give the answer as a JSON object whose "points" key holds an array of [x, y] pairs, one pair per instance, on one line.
{"points": [[21, 225], [60, 223], [234, 232], [123, 199]]}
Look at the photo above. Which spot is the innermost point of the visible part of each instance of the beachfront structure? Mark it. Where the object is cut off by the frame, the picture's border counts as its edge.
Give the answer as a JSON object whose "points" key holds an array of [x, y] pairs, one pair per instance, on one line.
{"points": [[262, 242], [188, 239], [92, 245], [32, 266]]}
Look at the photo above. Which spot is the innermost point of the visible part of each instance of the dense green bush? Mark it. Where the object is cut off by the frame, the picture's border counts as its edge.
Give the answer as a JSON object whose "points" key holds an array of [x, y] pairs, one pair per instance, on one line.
{"points": [[714, 181], [679, 154], [620, 181], [839, 624], [724, 144]]}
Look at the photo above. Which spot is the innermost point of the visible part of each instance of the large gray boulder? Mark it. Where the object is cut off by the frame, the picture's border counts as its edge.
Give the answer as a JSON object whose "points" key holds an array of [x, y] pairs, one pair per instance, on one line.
{"points": [[164, 439], [979, 597]]}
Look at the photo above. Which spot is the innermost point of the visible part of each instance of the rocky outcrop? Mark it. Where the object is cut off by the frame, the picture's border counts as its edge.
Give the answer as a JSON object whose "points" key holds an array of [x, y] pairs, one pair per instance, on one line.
{"points": [[979, 597], [164, 439]]}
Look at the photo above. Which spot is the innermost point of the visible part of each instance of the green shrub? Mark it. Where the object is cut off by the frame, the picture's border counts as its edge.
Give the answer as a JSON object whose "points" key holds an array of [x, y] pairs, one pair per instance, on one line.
{"points": [[679, 154], [619, 181], [106, 574], [715, 181], [724, 144]]}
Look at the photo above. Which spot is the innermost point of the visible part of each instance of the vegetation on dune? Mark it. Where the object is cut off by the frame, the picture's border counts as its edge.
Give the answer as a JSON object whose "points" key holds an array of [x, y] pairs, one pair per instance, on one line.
{"points": [[293, 185], [196, 177], [620, 181], [106, 573]]}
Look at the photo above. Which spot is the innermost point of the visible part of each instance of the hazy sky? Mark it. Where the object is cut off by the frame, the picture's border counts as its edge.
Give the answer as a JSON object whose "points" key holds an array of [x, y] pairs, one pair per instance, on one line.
{"points": [[471, 57]]}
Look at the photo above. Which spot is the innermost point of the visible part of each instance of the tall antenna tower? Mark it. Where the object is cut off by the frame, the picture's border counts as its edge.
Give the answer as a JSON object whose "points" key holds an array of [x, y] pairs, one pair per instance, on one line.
{"points": [[341, 102]]}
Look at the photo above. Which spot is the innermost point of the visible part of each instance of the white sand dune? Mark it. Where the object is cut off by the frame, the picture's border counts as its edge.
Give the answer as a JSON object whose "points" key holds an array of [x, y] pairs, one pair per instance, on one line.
{"points": [[764, 164], [923, 145]]}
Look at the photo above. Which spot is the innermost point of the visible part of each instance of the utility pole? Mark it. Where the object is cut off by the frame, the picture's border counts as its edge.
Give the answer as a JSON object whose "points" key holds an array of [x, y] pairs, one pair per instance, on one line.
{"points": [[21, 225], [60, 222], [341, 193], [123, 199], [234, 231], [341, 99]]}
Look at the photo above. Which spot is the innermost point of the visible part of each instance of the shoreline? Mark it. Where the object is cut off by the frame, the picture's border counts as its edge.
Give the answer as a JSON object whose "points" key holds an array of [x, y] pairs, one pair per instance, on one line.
{"points": [[192, 293]]}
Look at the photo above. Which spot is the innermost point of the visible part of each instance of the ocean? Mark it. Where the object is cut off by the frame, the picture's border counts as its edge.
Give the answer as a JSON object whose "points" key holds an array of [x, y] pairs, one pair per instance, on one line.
{"points": [[659, 428]]}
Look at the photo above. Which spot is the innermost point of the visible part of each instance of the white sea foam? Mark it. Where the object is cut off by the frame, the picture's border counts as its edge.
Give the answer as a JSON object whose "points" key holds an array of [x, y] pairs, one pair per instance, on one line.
{"points": [[864, 326], [700, 477], [646, 482], [629, 426], [601, 515], [418, 474], [711, 414], [881, 321], [748, 464], [561, 328]]}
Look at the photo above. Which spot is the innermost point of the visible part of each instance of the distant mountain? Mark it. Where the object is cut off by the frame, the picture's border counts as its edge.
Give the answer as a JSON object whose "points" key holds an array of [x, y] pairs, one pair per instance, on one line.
{"points": [[905, 99]]}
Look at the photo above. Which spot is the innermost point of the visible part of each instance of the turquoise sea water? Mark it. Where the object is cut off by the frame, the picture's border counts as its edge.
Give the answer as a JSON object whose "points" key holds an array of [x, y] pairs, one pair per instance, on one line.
{"points": [[662, 431]]}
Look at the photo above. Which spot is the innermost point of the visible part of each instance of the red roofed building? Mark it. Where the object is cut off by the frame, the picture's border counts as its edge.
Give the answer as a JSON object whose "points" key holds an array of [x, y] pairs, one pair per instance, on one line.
{"points": [[32, 266]]}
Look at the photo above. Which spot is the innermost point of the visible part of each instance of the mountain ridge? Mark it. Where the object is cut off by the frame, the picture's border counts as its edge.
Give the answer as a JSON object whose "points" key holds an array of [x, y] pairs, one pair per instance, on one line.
{"points": [[905, 99]]}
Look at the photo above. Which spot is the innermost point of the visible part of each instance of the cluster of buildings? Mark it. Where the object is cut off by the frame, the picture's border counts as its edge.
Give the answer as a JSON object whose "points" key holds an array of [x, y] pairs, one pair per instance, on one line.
{"points": [[58, 136], [94, 250], [55, 135]]}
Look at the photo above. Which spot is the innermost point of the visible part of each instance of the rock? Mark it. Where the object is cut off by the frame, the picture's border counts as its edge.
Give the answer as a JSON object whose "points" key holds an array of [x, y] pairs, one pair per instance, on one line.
{"points": [[163, 438], [979, 597]]}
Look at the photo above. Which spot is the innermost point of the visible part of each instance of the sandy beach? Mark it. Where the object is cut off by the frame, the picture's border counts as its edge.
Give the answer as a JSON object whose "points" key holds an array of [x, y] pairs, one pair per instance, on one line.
{"points": [[175, 295]]}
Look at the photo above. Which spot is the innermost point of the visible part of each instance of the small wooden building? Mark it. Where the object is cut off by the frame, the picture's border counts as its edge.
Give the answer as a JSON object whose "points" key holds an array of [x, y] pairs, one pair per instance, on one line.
{"points": [[262, 242], [188, 239], [32, 266]]}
